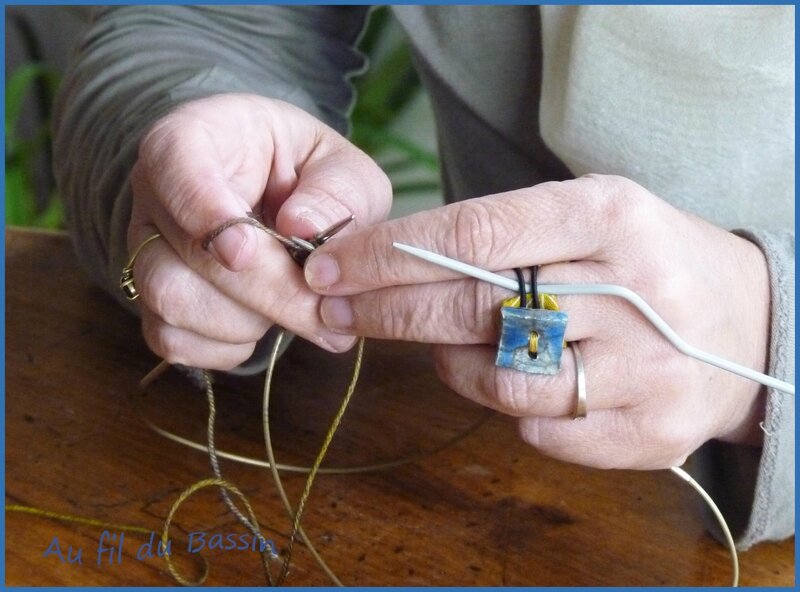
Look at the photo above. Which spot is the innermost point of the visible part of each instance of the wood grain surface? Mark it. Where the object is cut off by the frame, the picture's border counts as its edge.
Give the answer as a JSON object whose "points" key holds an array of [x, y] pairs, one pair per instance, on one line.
{"points": [[487, 510]]}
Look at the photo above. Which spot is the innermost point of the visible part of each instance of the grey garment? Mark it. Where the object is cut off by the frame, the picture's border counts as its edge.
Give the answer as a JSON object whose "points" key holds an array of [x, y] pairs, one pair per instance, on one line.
{"points": [[490, 142], [486, 96], [773, 511], [695, 103], [137, 63], [764, 510]]}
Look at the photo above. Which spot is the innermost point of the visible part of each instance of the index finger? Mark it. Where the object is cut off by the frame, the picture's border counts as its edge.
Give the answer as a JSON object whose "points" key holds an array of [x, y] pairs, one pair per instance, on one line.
{"points": [[548, 223]]}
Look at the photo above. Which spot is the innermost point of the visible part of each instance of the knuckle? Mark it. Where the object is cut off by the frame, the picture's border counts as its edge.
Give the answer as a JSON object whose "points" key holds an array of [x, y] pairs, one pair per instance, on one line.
{"points": [[467, 312], [382, 313], [376, 268], [619, 204], [395, 325], [347, 174], [256, 330], [645, 281], [383, 183], [240, 334], [233, 355], [665, 365], [477, 238], [671, 298], [442, 367], [335, 187], [165, 342], [358, 190], [164, 291], [172, 345], [530, 433], [279, 304], [611, 200], [372, 182], [473, 312], [382, 193]]}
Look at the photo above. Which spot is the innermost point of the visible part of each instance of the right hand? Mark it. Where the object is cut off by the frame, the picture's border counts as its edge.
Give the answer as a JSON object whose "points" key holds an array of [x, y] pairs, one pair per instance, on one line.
{"points": [[219, 158]]}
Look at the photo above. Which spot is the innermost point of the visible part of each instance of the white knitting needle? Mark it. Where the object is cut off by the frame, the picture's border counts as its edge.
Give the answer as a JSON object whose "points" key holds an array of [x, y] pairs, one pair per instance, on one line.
{"points": [[605, 290]]}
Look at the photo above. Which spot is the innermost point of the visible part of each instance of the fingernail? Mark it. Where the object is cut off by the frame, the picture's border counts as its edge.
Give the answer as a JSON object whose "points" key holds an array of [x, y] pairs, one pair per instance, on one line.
{"points": [[321, 271], [311, 221], [229, 245], [337, 314], [336, 342]]}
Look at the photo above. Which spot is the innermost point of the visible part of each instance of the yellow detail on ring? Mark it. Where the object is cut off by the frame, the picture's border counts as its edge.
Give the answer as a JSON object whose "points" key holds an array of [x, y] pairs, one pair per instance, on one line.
{"points": [[548, 302], [533, 343]]}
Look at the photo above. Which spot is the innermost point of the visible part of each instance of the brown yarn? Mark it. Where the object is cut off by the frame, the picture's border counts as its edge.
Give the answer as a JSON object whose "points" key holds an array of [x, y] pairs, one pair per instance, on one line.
{"points": [[252, 221]]}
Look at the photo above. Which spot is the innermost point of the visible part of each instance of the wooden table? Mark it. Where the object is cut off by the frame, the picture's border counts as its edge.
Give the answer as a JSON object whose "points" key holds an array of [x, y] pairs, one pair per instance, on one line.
{"points": [[485, 511]]}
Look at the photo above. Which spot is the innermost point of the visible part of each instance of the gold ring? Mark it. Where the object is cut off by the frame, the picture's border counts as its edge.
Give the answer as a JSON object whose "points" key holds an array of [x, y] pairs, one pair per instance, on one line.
{"points": [[126, 281], [580, 371]]}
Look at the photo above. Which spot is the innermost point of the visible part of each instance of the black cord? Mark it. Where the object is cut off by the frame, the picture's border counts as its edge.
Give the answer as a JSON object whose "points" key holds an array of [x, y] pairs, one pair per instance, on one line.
{"points": [[523, 295], [535, 287]]}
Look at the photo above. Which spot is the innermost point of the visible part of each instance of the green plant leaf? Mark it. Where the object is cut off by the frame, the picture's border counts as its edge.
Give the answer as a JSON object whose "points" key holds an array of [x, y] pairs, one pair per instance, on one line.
{"points": [[375, 29], [387, 88], [37, 82], [384, 93], [413, 187], [380, 137], [53, 215], [18, 86], [19, 205]]}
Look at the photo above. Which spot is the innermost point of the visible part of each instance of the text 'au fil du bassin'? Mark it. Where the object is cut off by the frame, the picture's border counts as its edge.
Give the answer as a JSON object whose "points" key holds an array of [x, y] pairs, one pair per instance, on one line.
{"points": [[110, 545]]}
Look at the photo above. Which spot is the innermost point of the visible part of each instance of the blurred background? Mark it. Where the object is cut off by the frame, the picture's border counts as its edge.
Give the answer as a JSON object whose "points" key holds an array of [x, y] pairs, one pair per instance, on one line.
{"points": [[392, 120]]}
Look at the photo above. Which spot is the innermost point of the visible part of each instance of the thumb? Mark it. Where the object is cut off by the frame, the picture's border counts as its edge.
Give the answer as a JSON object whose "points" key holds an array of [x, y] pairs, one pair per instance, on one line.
{"points": [[182, 166]]}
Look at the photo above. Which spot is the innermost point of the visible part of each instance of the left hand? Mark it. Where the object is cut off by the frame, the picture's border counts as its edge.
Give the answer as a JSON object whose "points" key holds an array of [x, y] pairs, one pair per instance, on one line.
{"points": [[650, 406], [218, 158]]}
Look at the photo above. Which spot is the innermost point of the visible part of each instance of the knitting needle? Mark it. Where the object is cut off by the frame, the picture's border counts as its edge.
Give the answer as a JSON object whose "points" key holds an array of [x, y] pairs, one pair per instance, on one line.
{"points": [[301, 248], [604, 290], [476, 272]]}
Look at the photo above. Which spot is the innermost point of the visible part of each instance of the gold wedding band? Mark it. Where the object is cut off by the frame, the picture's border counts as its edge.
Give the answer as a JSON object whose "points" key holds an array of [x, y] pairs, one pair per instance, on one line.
{"points": [[126, 281], [580, 371]]}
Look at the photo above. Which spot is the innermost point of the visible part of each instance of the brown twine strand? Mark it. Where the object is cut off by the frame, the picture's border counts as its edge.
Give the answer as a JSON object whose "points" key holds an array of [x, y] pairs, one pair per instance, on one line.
{"points": [[250, 220], [264, 548], [295, 516], [73, 519], [226, 487], [351, 470], [186, 494], [251, 523]]}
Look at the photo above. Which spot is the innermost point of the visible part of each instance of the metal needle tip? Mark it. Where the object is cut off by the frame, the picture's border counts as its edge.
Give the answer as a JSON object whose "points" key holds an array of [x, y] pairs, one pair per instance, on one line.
{"points": [[324, 235]]}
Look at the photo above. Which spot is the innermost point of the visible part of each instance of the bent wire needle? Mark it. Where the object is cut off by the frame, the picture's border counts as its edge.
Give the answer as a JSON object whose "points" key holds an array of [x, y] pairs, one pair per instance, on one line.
{"points": [[604, 290]]}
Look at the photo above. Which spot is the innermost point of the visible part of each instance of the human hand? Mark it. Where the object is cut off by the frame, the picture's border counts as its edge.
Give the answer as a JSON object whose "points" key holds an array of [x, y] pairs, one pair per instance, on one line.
{"points": [[650, 406], [219, 158]]}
